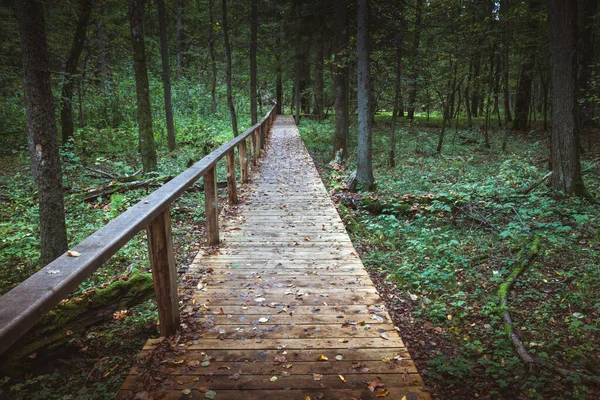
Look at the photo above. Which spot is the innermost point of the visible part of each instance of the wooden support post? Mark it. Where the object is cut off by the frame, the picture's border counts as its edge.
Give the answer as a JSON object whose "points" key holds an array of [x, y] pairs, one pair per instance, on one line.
{"points": [[256, 144], [211, 205], [164, 272], [253, 148], [243, 160], [261, 129], [231, 185]]}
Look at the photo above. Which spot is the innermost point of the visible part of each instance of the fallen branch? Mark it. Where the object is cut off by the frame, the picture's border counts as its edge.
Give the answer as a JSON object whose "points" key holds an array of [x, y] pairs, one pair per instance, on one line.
{"points": [[528, 190], [110, 175], [528, 359]]}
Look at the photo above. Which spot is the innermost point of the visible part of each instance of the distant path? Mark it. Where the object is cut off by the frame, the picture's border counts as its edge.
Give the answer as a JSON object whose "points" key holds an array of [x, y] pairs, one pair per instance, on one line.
{"points": [[292, 311]]}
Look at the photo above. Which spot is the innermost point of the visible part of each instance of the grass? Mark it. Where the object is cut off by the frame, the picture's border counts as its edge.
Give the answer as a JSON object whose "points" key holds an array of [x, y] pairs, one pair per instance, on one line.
{"points": [[448, 257]]}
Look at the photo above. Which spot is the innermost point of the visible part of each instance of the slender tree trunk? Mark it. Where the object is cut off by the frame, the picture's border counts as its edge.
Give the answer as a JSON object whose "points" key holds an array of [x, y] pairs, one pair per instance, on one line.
{"points": [[504, 7], [341, 80], [396, 112], [179, 38], [253, 68], [587, 16], [213, 58], [228, 71], [166, 73], [476, 86], [42, 134], [415, 73], [364, 171], [319, 62], [467, 104], [142, 88], [564, 154], [66, 102]]}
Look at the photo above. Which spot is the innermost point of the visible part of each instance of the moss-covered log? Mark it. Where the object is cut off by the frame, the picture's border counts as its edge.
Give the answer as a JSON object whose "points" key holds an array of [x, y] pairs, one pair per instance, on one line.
{"points": [[59, 331]]}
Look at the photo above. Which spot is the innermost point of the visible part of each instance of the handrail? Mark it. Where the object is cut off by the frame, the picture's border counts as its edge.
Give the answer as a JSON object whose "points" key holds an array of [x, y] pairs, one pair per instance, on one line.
{"points": [[23, 306]]}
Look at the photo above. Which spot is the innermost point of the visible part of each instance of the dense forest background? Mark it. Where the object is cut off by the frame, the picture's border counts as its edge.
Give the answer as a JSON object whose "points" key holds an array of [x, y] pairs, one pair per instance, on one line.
{"points": [[435, 126]]}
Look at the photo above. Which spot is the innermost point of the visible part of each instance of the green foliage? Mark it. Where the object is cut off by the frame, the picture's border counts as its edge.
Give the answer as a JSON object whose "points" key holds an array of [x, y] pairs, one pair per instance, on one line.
{"points": [[449, 256]]}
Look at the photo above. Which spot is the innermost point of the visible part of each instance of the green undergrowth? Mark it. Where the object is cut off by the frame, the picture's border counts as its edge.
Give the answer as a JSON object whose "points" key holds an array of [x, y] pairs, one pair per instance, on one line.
{"points": [[456, 239]]}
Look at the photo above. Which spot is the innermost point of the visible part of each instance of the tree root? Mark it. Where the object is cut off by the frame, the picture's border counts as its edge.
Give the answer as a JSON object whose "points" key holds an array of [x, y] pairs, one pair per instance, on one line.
{"points": [[529, 360]]}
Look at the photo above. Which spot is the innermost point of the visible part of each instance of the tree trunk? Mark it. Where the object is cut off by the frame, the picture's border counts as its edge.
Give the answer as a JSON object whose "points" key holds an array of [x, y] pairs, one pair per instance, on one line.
{"points": [[66, 102], [144, 112], [564, 154], [476, 86], [504, 7], [414, 74], [341, 80], [166, 73], [396, 112], [42, 134], [587, 16], [213, 58], [319, 61], [228, 71], [179, 39], [364, 170], [253, 68]]}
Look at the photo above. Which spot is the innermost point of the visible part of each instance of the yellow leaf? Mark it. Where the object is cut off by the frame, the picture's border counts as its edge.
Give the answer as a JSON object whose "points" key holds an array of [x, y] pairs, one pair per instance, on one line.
{"points": [[342, 378], [385, 393], [73, 253], [322, 358]]}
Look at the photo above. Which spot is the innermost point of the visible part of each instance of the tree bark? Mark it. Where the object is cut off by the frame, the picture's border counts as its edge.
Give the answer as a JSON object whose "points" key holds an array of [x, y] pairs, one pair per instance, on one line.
{"points": [[228, 70], [213, 58], [42, 134], [166, 73], [341, 80], [253, 68], [504, 8], [364, 170], [564, 153], [319, 62], [587, 16], [142, 88], [396, 112], [415, 73], [66, 102], [179, 39]]}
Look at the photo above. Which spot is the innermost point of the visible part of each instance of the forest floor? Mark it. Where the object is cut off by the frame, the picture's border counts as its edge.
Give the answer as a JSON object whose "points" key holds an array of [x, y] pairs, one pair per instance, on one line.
{"points": [[443, 232]]}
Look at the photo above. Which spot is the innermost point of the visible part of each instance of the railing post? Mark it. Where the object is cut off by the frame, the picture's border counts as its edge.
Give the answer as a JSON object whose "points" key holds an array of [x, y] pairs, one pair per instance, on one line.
{"points": [[231, 185], [253, 148], [211, 206], [243, 160], [262, 134], [164, 272], [256, 144]]}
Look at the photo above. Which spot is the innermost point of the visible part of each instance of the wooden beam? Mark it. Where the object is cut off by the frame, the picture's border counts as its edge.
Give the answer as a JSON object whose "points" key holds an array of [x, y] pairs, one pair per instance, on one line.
{"points": [[164, 272], [262, 129], [256, 144], [231, 184], [253, 148], [211, 206], [243, 160]]}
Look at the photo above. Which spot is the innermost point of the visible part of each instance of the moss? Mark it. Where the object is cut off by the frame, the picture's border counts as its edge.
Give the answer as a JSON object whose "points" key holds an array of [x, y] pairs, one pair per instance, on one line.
{"points": [[349, 221], [373, 205], [49, 336]]}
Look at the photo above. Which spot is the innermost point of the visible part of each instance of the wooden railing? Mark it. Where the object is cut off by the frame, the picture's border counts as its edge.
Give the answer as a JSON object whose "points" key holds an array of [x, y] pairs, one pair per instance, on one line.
{"points": [[23, 306]]}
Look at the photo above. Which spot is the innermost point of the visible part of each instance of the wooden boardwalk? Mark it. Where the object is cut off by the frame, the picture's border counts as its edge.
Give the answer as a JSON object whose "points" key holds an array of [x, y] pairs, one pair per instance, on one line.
{"points": [[288, 310]]}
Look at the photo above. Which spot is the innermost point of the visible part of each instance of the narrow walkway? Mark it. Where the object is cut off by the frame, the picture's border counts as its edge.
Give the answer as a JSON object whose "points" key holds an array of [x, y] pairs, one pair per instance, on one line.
{"points": [[290, 310]]}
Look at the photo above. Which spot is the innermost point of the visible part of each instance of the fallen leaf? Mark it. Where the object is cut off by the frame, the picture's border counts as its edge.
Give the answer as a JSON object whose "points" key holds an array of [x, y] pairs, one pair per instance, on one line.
{"points": [[375, 383], [339, 357], [322, 358], [235, 377], [317, 377], [73, 253], [385, 336], [178, 362], [186, 391], [342, 378], [211, 394], [263, 320], [259, 299], [205, 363], [383, 393], [273, 379], [307, 398], [203, 389]]}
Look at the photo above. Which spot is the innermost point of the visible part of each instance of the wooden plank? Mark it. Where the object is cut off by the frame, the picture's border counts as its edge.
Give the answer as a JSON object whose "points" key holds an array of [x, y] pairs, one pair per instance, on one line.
{"points": [[211, 206], [231, 184], [164, 272], [253, 149], [256, 143]]}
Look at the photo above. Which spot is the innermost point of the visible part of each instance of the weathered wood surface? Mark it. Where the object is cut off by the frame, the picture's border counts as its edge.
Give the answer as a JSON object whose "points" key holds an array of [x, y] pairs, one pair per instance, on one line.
{"points": [[285, 288]]}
